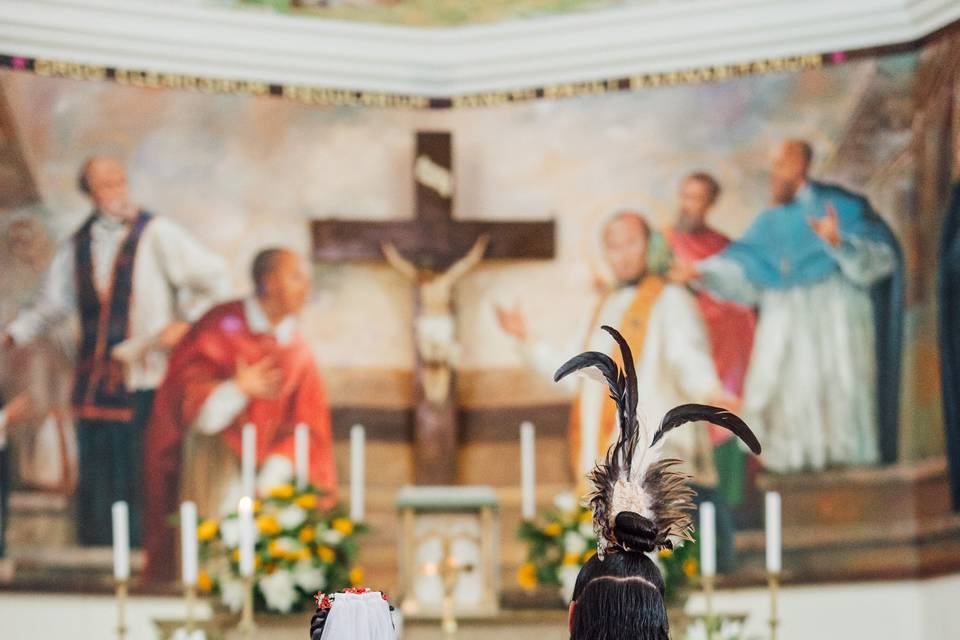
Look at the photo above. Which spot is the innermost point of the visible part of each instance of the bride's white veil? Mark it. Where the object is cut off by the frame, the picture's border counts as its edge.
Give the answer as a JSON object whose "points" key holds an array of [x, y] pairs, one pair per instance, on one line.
{"points": [[359, 616]]}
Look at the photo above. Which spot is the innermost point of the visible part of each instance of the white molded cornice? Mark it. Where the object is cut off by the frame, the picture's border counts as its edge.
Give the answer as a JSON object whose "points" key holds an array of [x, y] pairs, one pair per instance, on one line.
{"points": [[182, 38]]}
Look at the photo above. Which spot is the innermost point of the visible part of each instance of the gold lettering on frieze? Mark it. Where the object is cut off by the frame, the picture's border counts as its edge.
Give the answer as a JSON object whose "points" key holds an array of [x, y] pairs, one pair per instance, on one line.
{"points": [[342, 97], [73, 70]]}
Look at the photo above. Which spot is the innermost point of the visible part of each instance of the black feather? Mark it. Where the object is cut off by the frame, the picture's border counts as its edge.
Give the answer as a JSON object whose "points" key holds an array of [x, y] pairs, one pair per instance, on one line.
{"points": [[601, 361], [618, 458], [715, 415], [623, 390]]}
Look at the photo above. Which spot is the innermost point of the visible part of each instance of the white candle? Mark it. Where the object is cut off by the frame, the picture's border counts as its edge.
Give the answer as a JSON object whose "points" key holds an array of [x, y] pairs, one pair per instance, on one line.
{"points": [[247, 536], [528, 481], [121, 540], [301, 454], [708, 540], [248, 459], [357, 461], [188, 543], [774, 545]]}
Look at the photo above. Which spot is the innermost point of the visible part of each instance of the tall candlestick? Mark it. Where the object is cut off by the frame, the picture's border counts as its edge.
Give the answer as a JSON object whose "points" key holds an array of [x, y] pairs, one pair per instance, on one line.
{"points": [[357, 462], [188, 543], [121, 541], [247, 536], [248, 459], [301, 455], [528, 474], [774, 544], [708, 540]]}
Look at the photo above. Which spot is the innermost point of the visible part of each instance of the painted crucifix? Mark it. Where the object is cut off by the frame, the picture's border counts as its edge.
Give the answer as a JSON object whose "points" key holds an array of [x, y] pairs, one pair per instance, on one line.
{"points": [[433, 251]]}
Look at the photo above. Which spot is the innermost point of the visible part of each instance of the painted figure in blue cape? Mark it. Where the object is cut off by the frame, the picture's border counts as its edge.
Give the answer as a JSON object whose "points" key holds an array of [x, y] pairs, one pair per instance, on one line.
{"points": [[825, 272]]}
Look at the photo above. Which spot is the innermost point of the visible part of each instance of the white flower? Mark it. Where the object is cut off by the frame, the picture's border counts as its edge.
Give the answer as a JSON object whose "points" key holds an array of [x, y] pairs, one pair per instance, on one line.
{"points": [[291, 517], [574, 543], [568, 579], [308, 577], [331, 537], [566, 502], [231, 593], [696, 631], [230, 532], [278, 591], [586, 530], [286, 544]]}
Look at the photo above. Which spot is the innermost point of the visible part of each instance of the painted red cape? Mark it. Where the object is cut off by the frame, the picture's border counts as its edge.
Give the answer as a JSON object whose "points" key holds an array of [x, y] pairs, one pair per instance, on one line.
{"points": [[730, 326], [205, 357]]}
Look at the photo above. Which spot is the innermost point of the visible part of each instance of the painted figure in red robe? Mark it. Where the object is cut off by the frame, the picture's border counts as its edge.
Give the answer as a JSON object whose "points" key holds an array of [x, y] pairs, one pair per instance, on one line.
{"points": [[243, 362]]}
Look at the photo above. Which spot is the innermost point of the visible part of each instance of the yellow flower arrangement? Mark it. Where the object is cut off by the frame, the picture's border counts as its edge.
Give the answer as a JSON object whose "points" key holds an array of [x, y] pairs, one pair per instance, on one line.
{"points": [[559, 546], [326, 554], [268, 525], [204, 582], [343, 525], [289, 521], [307, 501], [527, 575], [207, 530], [283, 491], [564, 540], [275, 549], [356, 576]]}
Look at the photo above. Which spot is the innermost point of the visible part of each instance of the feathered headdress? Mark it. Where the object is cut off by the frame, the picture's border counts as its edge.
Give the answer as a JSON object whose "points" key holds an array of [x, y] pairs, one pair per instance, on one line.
{"points": [[632, 478]]}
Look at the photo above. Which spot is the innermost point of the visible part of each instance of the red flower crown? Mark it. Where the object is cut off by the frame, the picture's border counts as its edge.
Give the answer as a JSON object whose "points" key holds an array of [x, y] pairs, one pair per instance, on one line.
{"points": [[324, 602]]}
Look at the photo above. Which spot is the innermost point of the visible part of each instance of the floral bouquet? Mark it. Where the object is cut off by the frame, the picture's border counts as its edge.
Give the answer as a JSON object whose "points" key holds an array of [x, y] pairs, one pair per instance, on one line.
{"points": [[558, 548], [680, 568], [300, 549], [566, 540]]}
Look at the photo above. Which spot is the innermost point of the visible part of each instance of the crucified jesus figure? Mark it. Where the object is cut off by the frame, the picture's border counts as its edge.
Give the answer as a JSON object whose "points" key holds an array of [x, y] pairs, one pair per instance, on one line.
{"points": [[435, 329]]}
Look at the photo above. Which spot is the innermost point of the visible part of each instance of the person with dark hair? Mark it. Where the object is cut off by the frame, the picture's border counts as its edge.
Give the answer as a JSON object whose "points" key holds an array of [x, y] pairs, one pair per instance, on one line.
{"points": [[136, 281], [673, 353], [819, 258], [243, 362], [641, 502]]}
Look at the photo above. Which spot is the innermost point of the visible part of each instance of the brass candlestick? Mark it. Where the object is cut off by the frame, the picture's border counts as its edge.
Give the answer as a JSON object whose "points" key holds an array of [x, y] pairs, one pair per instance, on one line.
{"points": [[773, 580], [190, 595], [121, 589], [247, 625], [708, 585]]}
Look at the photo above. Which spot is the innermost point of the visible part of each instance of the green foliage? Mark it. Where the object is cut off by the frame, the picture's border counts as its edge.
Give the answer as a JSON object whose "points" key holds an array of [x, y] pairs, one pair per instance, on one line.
{"points": [[559, 544]]}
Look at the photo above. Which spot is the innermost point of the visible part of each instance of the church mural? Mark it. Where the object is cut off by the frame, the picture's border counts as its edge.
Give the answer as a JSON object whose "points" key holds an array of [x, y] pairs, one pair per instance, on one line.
{"points": [[428, 13], [767, 244]]}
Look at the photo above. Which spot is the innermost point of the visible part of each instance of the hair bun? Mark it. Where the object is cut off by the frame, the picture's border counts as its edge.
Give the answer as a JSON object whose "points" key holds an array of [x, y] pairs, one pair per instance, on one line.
{"points": [[634, 532]]}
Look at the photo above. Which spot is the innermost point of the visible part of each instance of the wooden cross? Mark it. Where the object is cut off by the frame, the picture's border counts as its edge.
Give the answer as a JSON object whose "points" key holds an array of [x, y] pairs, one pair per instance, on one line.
{"points": [[434, 240]]}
